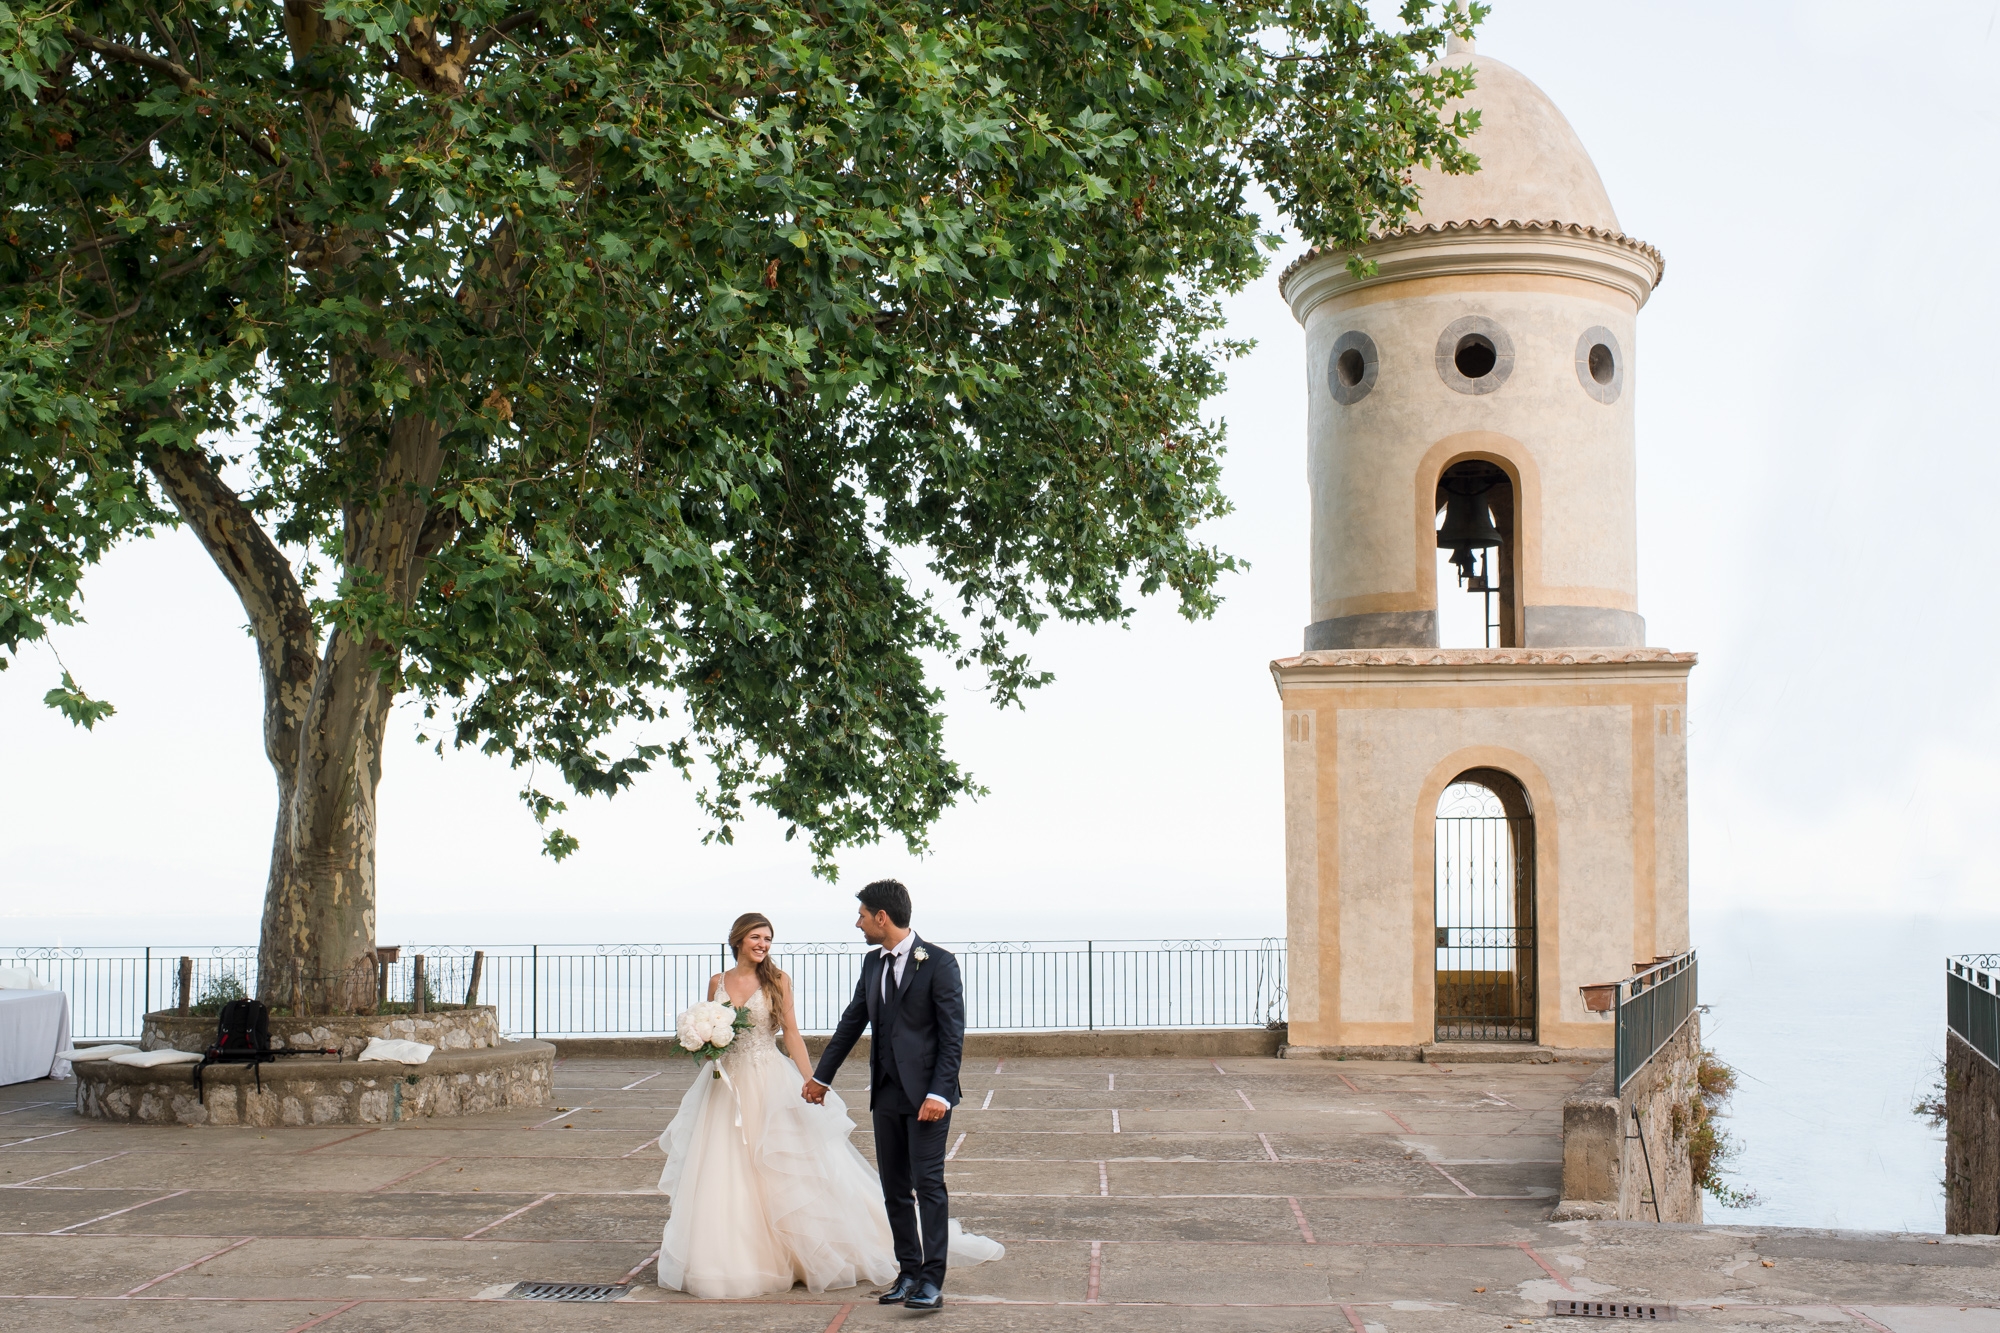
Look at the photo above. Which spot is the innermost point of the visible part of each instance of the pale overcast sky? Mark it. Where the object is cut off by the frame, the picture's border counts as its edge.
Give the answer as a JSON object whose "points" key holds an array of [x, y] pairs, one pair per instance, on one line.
{"points": [[1816, 520]]}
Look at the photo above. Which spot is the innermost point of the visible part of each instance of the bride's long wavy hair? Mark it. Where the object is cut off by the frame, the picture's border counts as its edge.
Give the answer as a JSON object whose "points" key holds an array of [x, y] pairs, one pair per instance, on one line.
{"points": [[768, 975]]}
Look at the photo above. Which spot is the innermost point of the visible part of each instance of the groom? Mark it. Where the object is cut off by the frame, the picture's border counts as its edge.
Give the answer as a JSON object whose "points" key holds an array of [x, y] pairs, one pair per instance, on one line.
{"points": [[910, 991]]}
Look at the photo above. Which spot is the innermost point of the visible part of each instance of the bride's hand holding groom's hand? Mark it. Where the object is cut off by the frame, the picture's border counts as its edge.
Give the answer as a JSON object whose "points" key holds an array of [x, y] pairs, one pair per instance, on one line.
{"points": [[814, 1091]]}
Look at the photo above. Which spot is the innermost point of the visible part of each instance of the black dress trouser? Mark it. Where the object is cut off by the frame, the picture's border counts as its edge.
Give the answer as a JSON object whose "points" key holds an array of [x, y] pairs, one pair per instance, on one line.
{"points": [[909, 1153]]}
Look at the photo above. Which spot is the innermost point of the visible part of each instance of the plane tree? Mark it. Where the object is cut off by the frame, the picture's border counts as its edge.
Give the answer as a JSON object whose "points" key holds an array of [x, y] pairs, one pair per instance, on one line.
{"points": [[686, 370]]}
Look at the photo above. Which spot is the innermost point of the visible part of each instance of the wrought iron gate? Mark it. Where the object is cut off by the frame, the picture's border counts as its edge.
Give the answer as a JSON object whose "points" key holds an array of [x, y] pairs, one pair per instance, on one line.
{"points": [[1485, 919]]}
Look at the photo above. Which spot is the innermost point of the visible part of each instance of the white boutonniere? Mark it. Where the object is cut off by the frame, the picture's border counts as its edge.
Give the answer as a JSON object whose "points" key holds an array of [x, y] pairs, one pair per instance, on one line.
{"points": [[920, 955]]}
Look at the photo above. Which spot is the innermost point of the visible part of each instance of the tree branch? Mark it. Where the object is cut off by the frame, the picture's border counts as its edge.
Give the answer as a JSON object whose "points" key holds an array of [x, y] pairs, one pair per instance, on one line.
{"points": [[166, 35], [132, 55], [493, 34], [287, 640], [440, 67]]}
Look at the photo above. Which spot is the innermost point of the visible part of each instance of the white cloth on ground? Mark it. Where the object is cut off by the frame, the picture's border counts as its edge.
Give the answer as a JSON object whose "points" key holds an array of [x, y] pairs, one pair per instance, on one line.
{"points": [[397, 1051], [34, 1031], [84, 1054], [154, 1059]]}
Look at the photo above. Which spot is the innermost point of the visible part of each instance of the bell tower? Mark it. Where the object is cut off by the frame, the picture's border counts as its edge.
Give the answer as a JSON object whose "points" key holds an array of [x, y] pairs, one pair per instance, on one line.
{"points": [[1488, 809]]}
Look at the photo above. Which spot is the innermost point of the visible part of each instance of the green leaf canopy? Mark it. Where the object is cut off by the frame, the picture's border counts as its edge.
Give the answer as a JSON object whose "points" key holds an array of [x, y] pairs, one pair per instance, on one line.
{"points": [[731, 357]]}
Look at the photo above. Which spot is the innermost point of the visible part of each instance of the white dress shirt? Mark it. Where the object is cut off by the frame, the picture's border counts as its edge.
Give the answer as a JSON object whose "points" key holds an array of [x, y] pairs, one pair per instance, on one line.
{"points": [[892, 974]]}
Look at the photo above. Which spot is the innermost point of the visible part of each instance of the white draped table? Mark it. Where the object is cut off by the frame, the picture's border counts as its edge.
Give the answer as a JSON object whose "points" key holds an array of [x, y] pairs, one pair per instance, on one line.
{"points": [[34, 1026]]}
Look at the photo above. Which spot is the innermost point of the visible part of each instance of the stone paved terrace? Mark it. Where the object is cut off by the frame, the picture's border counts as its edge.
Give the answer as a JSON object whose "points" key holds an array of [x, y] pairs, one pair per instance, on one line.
{"points": [[1239, 1194]]}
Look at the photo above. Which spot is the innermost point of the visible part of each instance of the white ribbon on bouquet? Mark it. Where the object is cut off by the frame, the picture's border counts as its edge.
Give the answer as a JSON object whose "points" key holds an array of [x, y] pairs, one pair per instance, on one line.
{"points": [[727, 1082]]}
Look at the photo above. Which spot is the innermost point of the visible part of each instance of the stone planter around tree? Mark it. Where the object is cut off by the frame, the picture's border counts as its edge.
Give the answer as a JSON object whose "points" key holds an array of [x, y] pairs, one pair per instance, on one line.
{"points": [[456, 1028], [473, 1070]]}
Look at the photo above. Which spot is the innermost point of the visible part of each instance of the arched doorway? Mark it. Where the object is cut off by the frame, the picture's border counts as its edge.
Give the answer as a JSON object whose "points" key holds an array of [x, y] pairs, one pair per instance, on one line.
{"points": [[1485, 910]]}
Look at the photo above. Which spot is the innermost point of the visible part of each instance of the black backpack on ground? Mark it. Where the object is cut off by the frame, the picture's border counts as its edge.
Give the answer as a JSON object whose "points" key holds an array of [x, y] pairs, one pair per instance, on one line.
{"points": [[242, 1036]]}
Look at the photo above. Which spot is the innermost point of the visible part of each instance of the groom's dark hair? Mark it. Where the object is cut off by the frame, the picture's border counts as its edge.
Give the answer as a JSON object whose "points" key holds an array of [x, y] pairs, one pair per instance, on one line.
{"points": [[888, 895]]}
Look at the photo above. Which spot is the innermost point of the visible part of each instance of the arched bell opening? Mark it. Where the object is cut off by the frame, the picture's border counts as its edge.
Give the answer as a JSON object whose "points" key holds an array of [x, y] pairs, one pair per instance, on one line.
{"points": [[1485, 909], [1477, 538]]}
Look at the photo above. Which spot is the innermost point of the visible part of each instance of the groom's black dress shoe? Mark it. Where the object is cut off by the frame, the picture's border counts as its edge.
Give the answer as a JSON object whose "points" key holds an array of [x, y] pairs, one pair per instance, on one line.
{"points": [[925, 1297], [897, 1294]]}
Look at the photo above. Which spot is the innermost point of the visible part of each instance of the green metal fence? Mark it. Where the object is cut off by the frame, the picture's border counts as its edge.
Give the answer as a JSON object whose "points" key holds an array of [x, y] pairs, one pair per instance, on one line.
{"points": [[1650, 1009], [1972, 1001]]}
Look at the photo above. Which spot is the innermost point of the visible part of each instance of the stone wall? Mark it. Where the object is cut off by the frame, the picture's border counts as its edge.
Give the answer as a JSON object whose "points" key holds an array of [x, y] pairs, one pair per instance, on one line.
{"points": [[1605, 1166], [321, 1092], [458, 1028], [1972, 1141], [1196, 1043]]}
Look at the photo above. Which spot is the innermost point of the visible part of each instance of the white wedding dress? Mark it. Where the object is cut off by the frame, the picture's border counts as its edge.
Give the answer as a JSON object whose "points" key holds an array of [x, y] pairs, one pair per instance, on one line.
{"points": [[768, 1189]]}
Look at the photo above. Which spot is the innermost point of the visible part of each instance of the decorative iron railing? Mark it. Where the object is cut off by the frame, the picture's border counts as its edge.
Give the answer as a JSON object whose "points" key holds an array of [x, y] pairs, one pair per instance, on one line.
{"points": [[636, 989], [1972, 1001], [1651, 1006]]}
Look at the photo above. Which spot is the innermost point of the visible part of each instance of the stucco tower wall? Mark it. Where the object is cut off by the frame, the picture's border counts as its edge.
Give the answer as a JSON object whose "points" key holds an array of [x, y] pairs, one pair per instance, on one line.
{"points": [[1373, 463], [1526, 249], [1371, 741]]}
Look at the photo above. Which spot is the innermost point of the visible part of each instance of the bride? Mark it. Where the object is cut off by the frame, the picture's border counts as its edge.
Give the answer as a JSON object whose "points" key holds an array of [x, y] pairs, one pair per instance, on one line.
{"points": [[767, 1189]]}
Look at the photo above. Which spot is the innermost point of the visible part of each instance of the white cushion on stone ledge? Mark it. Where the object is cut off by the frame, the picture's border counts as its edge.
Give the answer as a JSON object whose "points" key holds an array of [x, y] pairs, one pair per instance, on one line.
{"points": [[84, 1053], [394, 1050], [149, 1059]]}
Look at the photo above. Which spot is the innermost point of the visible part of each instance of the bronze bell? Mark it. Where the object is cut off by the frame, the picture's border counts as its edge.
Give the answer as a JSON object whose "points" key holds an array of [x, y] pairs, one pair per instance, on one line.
{"points": [[1468, 526]]}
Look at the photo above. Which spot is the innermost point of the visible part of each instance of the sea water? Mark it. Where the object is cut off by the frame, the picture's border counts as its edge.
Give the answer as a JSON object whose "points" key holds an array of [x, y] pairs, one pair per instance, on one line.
{"points": [[1835, 1026]]}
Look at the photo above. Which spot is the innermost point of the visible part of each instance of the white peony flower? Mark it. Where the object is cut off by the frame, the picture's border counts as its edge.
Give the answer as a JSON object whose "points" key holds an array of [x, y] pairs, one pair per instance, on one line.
{"points": [[709, 1023]]}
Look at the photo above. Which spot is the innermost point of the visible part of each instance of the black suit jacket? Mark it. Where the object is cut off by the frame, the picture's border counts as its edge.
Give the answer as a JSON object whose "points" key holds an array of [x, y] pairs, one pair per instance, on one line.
{"points": [[922, 1032]]}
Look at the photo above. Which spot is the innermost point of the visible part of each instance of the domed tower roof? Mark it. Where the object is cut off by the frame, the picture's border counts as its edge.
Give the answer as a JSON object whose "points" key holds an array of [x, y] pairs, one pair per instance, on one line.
{"points": [[1532, 167], [1536, 205]]}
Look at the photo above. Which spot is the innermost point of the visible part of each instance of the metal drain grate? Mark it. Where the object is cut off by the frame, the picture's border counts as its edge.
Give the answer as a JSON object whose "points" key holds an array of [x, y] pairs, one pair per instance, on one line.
{"points": [[566, 1291], [1615, 1310]]}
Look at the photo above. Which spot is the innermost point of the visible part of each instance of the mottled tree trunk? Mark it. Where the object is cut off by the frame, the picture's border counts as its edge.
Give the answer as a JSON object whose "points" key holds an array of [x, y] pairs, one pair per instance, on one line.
{"points": [[326, 706], [324, 712], [316, 952]]}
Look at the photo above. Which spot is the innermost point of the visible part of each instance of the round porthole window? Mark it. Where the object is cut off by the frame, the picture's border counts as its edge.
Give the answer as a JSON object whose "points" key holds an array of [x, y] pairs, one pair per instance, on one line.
{"points": [[1600, 365], [1474, 355], [1351, 370]]}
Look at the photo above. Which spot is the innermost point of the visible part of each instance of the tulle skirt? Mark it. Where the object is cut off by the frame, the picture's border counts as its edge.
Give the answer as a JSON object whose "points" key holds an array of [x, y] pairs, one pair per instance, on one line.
{"points": [[768, 1190]]}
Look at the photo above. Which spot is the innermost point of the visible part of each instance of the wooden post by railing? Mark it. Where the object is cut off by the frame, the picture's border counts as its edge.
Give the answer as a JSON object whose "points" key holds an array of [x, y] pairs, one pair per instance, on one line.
{"points": [[472, 986], [417, 985], [187, 983], [384, 955]]}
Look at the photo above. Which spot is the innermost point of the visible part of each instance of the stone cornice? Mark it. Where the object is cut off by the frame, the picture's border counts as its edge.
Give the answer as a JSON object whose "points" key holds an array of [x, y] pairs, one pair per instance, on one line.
{"points": [[1560, 249], [1489, 663]]}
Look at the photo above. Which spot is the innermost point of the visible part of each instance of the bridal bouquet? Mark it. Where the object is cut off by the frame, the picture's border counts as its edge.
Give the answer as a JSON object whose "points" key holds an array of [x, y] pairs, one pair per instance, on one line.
{"points": [[705, 1030]]}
